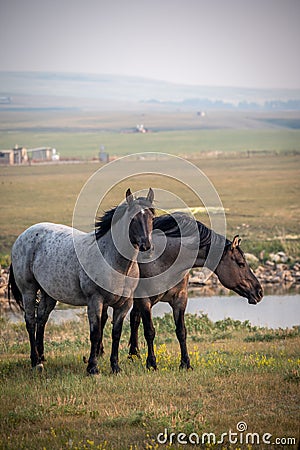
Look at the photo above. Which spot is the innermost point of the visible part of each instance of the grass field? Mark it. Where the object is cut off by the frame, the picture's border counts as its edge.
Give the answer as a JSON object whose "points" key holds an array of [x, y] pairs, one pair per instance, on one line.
{"points": [[80, 133], [241, 373], [86, 145], [260, 196]]}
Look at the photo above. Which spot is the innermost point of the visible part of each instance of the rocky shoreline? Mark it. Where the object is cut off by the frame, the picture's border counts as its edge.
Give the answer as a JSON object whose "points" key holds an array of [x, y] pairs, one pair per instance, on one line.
{"points": [[277, 274]]}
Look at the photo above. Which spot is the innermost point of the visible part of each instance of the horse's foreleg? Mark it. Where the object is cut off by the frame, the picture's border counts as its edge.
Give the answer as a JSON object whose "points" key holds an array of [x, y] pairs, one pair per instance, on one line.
{"points": [[149, 333], [135, 320], [104, 317], [46, 305], [94, 314], [178, 314], [118, 318]]}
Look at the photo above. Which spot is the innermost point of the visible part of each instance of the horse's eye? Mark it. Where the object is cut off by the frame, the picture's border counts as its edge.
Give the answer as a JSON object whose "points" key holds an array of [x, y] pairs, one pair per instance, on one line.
{"points": [[241, 264]]}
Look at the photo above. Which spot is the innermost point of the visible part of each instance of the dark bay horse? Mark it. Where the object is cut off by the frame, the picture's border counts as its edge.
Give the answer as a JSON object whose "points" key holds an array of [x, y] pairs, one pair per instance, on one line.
{"points": [[232, 270], [53, 258]]}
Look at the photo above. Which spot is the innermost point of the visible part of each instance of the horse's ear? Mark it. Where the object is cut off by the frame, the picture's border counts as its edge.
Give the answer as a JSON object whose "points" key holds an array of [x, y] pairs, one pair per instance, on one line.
{"points": [[150, 196], [129, 197], [236, 242]]}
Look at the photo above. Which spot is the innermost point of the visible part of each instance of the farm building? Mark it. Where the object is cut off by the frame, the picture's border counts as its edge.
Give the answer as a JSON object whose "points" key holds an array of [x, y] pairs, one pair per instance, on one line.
{"points": [[6, 157], [21, 155], [42, 154], [18, 155]]}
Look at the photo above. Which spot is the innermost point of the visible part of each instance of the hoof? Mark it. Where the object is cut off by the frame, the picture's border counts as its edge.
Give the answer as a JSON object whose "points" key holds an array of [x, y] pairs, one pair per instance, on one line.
{"points": [[134, 353], [115, 370], [151, 364], [93, 370], [39, 367], [185, 366], [152, 367], [134, 356]]}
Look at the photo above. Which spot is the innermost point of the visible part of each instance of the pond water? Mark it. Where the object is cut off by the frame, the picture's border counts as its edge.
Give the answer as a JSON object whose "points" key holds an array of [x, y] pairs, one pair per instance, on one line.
{"points": [[274, 311]]}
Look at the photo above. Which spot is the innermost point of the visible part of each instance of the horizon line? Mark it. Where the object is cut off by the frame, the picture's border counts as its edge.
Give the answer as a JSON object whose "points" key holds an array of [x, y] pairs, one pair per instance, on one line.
{"points": [[143, 77]]}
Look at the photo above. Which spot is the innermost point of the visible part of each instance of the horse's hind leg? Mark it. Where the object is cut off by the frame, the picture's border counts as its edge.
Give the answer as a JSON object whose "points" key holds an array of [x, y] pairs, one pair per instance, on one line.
{"points": [[46, 305], [29, 302], [179, 306], [104, 317]]}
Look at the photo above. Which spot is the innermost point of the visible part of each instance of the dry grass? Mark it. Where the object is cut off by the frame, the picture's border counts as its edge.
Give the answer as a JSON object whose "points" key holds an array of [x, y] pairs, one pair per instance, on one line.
{"points": [[260, 195], [232, 380]]}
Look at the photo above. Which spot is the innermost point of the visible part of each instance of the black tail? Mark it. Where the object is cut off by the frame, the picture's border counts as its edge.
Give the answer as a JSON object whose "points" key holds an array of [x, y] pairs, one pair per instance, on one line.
{"points": [[12, 287]]}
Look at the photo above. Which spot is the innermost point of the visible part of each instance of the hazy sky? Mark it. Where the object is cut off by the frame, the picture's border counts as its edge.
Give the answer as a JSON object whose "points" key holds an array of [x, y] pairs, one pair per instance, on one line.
{"points": [[248, 43]]}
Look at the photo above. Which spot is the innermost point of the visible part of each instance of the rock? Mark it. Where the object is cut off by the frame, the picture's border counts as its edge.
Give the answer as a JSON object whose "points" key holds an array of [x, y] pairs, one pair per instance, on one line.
{"points": [[297, 277], [250, 258], [282, 266], [287, 276], [195, 280], [271, 273], [282, 255], [279, 257], [262, 255], [270, 264], [3, 291], [198, 277], [274, 257], [276, 279], [3, 283], [3, 280], [268, 279]]}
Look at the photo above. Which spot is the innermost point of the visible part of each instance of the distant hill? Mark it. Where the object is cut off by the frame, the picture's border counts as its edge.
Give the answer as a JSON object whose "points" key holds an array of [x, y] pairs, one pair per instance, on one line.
{"points": [[34, 89]]}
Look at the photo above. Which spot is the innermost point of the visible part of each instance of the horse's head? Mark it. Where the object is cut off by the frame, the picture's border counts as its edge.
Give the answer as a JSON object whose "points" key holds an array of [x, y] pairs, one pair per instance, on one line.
{"points": [[141, 214], [234, 273]]}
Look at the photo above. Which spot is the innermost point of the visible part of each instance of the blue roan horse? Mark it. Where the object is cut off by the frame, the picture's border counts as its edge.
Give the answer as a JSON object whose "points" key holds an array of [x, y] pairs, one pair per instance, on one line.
{"points": [[45, 259]]}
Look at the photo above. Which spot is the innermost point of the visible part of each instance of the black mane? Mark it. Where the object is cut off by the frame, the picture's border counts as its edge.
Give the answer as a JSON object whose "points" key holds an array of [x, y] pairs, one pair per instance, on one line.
{"points": [[169, 224], [103, 223]]}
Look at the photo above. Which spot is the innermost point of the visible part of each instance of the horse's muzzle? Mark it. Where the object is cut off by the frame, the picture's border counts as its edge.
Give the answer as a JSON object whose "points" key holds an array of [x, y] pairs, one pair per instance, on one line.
{"points": [[145, 245], [253, 299]]}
